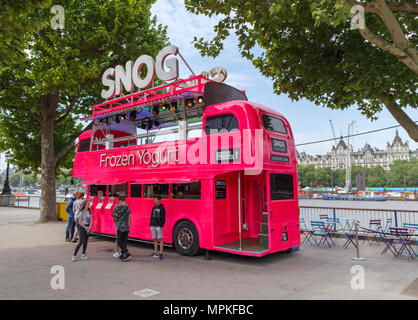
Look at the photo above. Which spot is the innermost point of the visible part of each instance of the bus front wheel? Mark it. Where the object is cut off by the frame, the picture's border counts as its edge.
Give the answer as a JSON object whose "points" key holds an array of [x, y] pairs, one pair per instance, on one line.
{"points": [[186, 238]]}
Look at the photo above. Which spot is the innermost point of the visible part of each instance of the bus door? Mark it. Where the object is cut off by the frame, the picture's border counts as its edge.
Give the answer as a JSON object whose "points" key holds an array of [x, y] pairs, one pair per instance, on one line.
{"points": [[136, 204], [282, 209]]}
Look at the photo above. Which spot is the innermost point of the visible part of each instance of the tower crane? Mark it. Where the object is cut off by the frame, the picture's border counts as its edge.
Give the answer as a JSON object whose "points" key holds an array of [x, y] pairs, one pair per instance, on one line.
{"points": [[333, 132]]}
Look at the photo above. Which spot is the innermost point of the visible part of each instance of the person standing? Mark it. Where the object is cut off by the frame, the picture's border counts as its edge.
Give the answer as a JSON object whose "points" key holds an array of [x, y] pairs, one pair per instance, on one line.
{"points": [[76, 208], [69, 232], [157, 224], [122, 215], [84, 223]]}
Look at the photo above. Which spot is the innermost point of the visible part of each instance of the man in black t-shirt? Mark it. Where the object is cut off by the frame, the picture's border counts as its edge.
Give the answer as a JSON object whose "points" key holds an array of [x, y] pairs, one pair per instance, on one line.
{"points": [[157, 224]]}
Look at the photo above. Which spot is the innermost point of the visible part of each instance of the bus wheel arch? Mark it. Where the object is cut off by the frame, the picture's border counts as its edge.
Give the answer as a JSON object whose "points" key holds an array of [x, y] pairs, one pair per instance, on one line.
{"points": [[186, 238]]}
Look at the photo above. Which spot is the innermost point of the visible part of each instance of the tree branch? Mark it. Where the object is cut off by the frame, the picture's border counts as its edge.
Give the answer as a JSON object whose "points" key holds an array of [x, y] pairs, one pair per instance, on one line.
{"points": [[390, 48], [401, 117], [70, 143], [395, 30]]}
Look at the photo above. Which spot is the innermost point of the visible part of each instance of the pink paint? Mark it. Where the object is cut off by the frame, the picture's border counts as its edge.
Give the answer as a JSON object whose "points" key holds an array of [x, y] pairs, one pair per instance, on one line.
{"points": [[216, 220]]}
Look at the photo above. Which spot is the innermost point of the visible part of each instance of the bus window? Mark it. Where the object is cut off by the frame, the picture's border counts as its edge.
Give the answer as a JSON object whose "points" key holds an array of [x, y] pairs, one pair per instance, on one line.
{"points": [[136, 190], [186, 190], [281, 186], [273, 124], [220, 189], [84, 145], [152, 190], [221, 123], [97, 190], [117, 189]]}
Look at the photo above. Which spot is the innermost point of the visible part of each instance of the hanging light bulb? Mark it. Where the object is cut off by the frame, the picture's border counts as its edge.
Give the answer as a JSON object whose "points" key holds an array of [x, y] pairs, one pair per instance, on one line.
{"points": [[173, 106], [200, 99], [189, 103]]}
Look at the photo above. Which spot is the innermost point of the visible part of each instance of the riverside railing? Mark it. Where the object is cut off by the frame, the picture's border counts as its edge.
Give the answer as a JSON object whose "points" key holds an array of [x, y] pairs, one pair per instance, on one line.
{"points": [[393, 217], [28, 201]]}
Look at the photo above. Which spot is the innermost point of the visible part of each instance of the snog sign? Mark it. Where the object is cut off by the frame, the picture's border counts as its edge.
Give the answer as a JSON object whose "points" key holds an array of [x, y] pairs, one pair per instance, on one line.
{"points": [[119, 78]]}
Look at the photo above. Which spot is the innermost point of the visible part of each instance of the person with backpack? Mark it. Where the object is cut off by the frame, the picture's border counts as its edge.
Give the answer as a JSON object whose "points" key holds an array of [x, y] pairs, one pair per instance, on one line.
{"points": [[156, 225], [122, 215], [69, 232]]}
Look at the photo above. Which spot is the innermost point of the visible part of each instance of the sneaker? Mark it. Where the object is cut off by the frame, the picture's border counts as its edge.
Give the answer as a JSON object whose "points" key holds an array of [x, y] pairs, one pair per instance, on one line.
{"points": [[161, 256], [73, 258], [84, 256], [121, 256], [153, 255], [116, 255], [126, 257], [67, 239]]}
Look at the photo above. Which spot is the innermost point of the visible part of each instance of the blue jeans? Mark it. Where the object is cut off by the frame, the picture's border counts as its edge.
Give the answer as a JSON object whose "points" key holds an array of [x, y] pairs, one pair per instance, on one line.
{"points": [[70, 227]]}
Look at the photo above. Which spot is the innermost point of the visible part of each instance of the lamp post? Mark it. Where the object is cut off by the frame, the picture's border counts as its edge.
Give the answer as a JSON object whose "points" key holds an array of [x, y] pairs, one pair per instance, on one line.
{"points": [[6, 187]]}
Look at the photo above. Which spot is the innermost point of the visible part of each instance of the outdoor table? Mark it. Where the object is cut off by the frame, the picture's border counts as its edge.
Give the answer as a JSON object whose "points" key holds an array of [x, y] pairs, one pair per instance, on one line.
{"points": [[402, 236]]}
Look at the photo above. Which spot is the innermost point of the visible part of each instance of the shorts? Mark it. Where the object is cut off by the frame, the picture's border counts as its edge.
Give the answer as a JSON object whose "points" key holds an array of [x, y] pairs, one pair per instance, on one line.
{"points": [[157, 232]]}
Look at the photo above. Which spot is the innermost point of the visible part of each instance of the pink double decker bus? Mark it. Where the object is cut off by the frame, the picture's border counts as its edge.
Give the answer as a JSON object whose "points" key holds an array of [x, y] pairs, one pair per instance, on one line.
{"points": [[224, 167]]}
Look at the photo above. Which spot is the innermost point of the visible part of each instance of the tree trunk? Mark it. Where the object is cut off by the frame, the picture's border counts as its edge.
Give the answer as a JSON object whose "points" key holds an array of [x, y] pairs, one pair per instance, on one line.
{"points": [[48, 208], [400, 116]]}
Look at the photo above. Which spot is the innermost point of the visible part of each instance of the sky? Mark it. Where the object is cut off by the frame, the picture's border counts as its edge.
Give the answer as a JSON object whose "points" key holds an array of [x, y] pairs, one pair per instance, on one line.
{"points": [[308, 121]]}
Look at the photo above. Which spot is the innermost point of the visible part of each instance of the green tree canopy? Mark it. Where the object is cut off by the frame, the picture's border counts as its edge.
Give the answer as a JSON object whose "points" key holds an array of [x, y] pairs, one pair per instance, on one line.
{"points": [[43, 92], [309, 51]]}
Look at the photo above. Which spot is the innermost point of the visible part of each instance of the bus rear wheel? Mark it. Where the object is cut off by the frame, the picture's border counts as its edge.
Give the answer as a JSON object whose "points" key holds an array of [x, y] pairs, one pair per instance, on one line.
{"points": [[186, 239]]}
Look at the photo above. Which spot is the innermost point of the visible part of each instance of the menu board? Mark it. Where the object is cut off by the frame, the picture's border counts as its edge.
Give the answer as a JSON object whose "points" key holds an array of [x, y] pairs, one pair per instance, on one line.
{"points": [[220, 192]]}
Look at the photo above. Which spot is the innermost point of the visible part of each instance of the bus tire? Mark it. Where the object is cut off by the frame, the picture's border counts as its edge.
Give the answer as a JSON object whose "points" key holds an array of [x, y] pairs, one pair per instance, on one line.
{"points": [[186, 238]]}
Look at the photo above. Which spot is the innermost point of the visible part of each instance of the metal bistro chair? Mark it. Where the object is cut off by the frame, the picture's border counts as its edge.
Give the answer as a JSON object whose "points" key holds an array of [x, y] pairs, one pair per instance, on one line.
{"points": [[308, 232], [332, 225], [413, 226], [375, 227], [403, 237], [350, 234], [323, 216], [320, 229]]}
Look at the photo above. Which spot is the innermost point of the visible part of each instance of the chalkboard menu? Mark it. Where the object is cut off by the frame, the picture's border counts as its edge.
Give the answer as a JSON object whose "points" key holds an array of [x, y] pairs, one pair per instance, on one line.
{"points": [[220, 192], [279, 145]]}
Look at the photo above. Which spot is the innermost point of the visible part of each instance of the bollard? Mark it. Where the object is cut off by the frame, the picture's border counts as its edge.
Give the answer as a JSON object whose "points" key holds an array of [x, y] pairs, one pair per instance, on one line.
{"points": [[356, 224]]}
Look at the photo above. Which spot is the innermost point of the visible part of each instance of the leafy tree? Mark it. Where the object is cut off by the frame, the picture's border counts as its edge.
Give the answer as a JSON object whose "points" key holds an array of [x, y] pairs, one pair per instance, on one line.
{"points": [[18, 21], [44, 92], [402, 169], [15, 179], [309, 50], [29, 181]]}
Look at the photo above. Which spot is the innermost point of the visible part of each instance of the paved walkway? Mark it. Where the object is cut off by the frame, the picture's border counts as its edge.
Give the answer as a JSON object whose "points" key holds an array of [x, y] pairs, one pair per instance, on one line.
{"points": [[29, 250]]}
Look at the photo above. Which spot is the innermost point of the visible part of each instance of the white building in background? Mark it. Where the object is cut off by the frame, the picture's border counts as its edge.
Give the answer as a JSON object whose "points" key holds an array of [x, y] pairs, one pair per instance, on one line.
{"points": [[365, 157]]}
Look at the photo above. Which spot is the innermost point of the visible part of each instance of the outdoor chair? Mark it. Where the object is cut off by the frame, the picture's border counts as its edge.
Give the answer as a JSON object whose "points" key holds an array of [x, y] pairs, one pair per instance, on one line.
{"points": [[403, 237], [350, 235], [415, 238], [373, 233], [323, 216], [308, 232], [320, 229]]}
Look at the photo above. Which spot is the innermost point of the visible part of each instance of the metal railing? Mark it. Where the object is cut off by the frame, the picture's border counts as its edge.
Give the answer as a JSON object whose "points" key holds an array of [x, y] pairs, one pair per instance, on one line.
{"points": [[28, 201], [396, 217]]}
